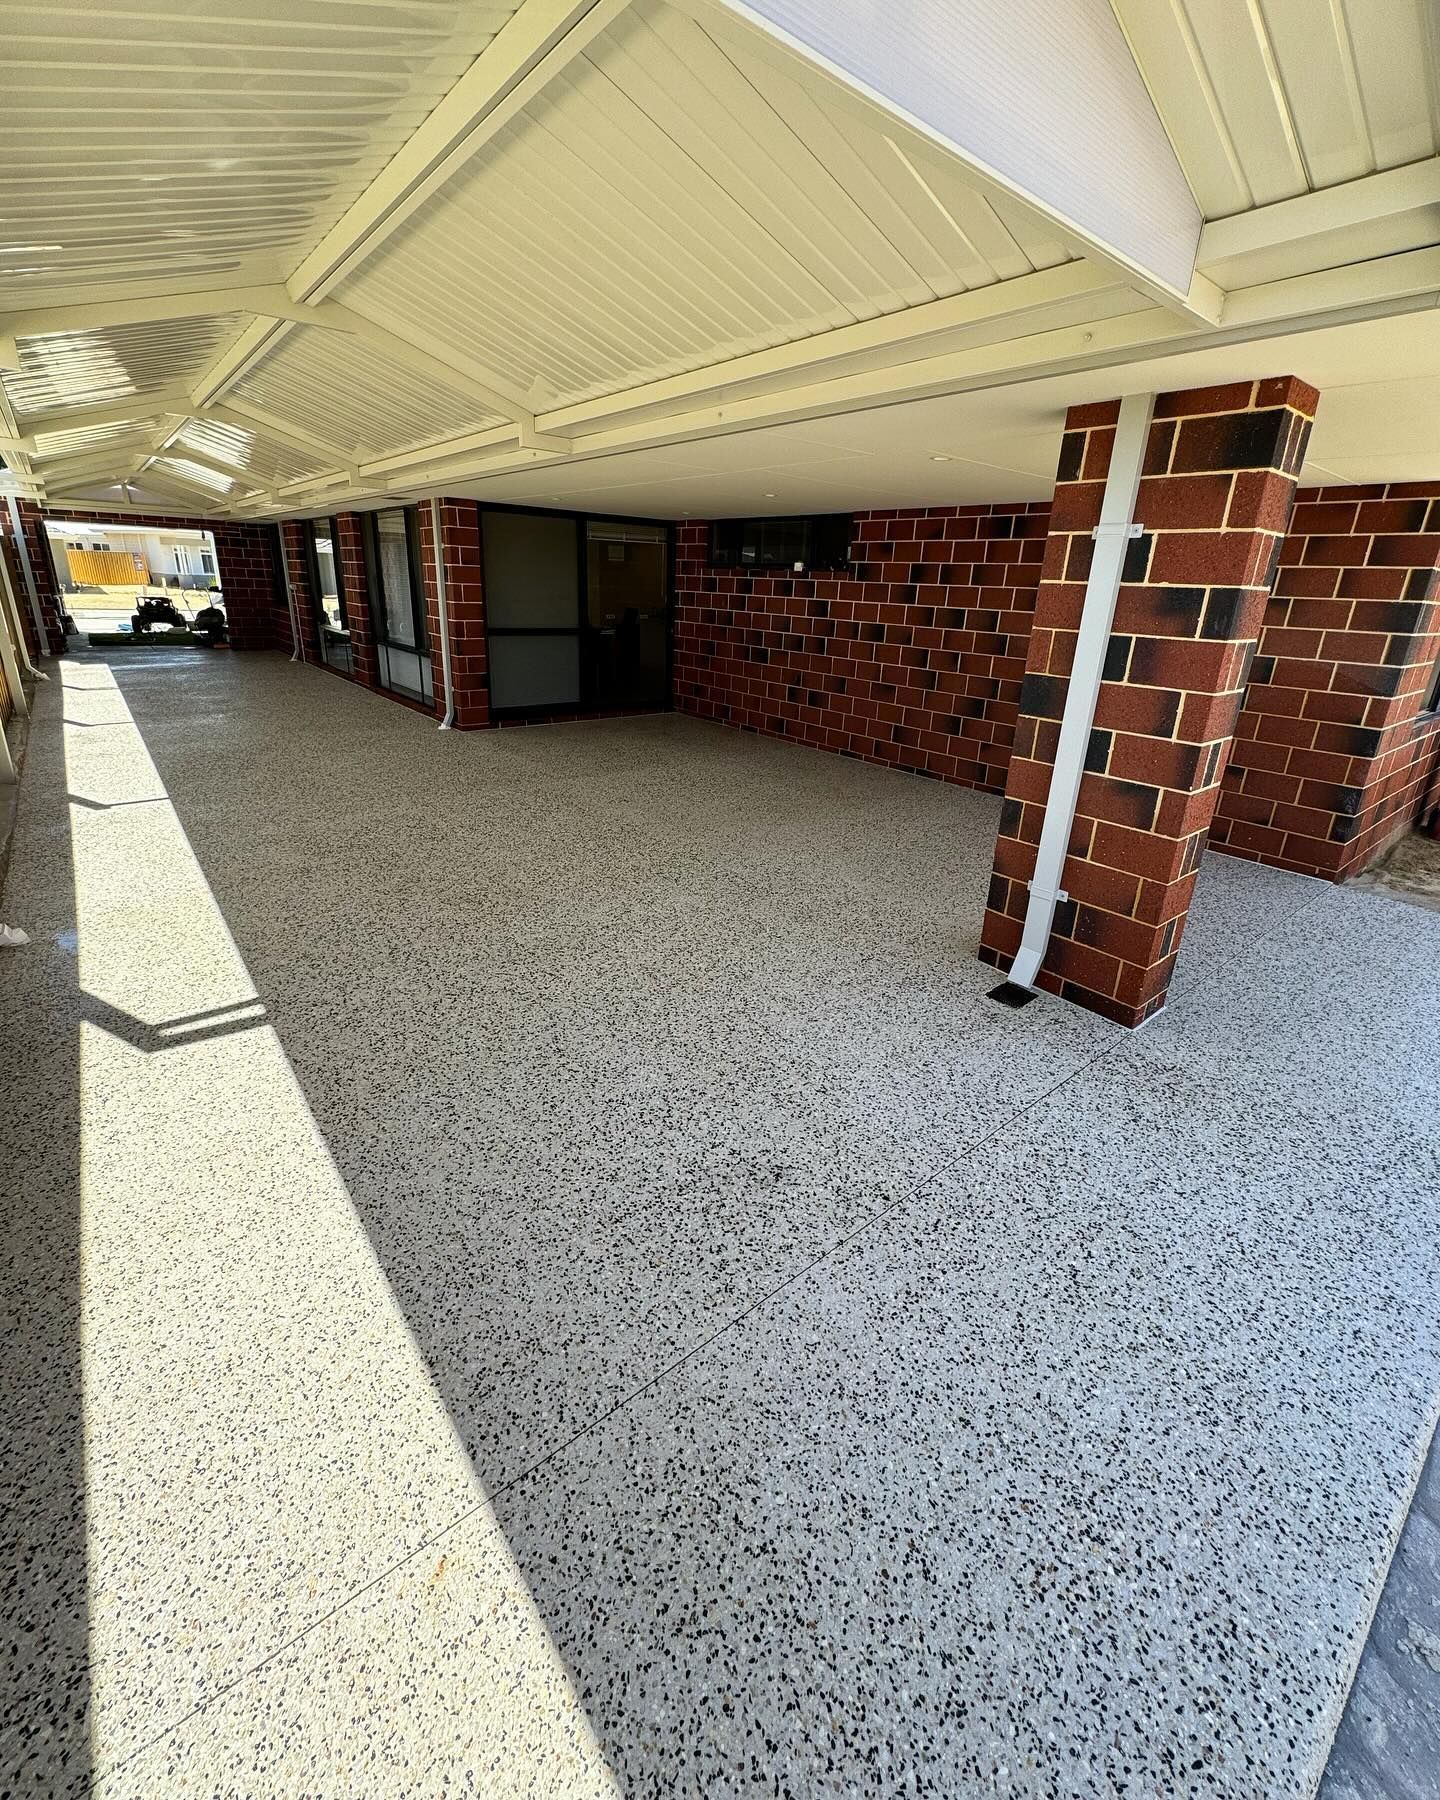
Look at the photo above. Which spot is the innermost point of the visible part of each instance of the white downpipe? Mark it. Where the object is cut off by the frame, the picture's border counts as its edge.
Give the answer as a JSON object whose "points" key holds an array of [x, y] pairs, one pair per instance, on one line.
{"points": [[448, 721], [42, 637], [12, 641], [297, 643], [1112, 535]]}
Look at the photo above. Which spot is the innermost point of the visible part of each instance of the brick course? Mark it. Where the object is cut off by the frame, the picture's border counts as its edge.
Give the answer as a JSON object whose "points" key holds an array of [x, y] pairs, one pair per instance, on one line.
{"points": [[350, 550], [1215, 494], [912, 658], [1333, 749]]}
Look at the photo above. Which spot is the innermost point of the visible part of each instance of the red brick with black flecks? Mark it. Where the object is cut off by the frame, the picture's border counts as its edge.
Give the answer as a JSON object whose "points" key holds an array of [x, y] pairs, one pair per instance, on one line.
{"points": [[912, 656], [1214, 501], [1336, 743]]}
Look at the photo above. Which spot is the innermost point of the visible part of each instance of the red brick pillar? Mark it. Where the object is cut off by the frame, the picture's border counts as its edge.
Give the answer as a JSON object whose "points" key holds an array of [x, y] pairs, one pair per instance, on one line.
{"points": [[245, 561], [465, 604], [1214, 501], [42, 566], [17, 586], [354, 576], [297, 563]]}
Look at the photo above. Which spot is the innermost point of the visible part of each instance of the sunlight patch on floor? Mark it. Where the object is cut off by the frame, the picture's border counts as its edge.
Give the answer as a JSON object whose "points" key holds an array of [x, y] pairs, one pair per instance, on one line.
{"points": [[262, 1434]]}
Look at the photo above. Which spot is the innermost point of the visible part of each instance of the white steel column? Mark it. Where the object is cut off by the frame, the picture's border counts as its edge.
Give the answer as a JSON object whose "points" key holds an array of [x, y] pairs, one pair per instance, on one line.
{"points": [[1112, 535]]}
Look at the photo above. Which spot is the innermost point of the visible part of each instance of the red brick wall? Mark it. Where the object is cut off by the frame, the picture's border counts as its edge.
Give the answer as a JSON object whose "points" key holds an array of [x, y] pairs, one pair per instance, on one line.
{"points": [[1333, 750], [243, 557], [1214, 498], [913, 658], [350, 552]]}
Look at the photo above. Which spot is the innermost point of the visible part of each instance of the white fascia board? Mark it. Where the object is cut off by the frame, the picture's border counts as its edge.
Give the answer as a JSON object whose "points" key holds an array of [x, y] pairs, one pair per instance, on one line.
{"points": [[1040, 100]]}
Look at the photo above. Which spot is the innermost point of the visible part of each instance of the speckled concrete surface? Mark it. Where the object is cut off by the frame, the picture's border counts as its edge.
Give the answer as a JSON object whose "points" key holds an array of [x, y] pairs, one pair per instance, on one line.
{"points": [[563, 1283]]}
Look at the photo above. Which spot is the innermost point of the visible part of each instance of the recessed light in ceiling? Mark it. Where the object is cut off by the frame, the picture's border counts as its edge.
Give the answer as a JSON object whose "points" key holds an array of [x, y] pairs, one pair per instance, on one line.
{"points": [[767, 496], [942, 459]]}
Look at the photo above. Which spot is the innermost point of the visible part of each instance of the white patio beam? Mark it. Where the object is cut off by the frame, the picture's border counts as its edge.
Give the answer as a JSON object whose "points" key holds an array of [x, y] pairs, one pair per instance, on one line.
{"points": [[272, 302], [262, 424], [146, 405], [204, 459], [107, 456], [438, 364], [1410, 188]]}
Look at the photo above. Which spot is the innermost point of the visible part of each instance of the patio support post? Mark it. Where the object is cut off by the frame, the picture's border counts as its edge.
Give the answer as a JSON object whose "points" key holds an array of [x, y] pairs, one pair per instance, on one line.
{"points": [[1216, 489]]}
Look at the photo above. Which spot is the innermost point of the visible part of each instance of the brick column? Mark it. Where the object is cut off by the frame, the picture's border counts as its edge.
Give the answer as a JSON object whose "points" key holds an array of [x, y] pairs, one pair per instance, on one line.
{"points": [[364, 664], [1335, 748], [465, 603], [292, 535], [1215, 500], [17, 585], [37, 546], [247, 573]]}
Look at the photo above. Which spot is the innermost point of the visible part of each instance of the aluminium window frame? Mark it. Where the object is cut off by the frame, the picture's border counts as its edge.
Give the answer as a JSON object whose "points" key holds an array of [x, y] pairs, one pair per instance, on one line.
{"points": [[312, 570], [422, 648]]}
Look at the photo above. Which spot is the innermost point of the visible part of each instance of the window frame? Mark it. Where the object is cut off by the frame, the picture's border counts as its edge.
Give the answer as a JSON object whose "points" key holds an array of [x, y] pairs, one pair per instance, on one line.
{"points": [[375, 580], [312, 570], [419, 603], [821, 526]]}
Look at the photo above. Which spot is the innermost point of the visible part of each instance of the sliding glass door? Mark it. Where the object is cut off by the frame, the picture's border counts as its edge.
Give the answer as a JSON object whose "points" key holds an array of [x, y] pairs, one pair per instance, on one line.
{"points": [[532, 607], [627, 614], [577, 612], [397, 602]]}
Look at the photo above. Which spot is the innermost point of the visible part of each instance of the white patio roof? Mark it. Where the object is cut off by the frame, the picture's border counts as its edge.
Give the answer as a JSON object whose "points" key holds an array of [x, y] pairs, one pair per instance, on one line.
{"points": [[669, 256]]}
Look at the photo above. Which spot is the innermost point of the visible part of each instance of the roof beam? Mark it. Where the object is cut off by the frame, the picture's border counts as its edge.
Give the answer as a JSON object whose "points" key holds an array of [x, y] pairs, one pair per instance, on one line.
{"points": [[633, 420], [254, 419], [148, 405], [89, 468], [529, 50], [186, 453], [273, 302], [450, 370], [1343, 208]]}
